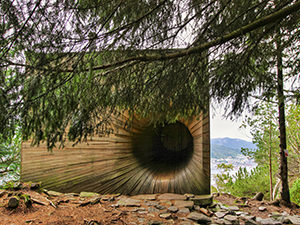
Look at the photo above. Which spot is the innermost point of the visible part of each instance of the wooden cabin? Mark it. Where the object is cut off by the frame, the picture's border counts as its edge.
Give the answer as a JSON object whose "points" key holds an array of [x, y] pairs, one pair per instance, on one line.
{"points": [[143, 159], [138, 159]]}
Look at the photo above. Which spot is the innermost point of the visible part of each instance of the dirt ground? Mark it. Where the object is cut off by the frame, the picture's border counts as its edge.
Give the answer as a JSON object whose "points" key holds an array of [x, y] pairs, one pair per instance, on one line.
{"points": [[252, 206], [73, 209]]}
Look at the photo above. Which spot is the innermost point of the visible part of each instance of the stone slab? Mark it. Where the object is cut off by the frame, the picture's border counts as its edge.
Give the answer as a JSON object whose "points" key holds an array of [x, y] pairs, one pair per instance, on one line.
{"points": [[144, 197], [84, 194], [202, 200], [171, 196], [173, 209], [129, 202], [54, 193], [184, 204], [165, 215], [294, 219], [184, 210], [200, 218], [268, 221]]}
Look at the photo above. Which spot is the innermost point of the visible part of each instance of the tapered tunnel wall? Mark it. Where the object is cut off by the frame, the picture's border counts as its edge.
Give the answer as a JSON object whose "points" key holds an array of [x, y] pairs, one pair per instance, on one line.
{"points": [[144, 159]]}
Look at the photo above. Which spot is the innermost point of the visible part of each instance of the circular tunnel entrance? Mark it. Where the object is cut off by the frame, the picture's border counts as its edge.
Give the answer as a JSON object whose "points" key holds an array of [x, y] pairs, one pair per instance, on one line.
{"points": [[164, 149]]}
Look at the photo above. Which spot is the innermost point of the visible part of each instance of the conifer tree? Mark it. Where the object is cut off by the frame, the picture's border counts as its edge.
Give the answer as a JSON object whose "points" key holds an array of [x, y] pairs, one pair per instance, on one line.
{"points": [[73, 63]]}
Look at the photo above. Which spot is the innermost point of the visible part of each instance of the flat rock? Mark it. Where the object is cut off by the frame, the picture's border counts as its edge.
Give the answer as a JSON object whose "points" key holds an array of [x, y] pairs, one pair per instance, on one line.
{"points": [[268, 221], [222, 222], [92, 201], [84, 194], [221, 206], [202, 200], [246, 217], [239, 213], [189, 195], [140, 209], [54, 193], [152, 209], [200, 218], [293, 219], [262, 208], [151, 203], [129, 202], [184, 210], [184, 204], [173, 209], [165, 215], [71, 194], [171, 196], [221, 214], [232, 219], [160, 207], [277, 216], [233, 208], [144, 197]]}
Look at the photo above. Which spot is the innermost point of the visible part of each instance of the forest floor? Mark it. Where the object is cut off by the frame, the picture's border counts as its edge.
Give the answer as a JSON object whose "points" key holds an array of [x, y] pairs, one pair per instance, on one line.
{"points": [[52, 208]]}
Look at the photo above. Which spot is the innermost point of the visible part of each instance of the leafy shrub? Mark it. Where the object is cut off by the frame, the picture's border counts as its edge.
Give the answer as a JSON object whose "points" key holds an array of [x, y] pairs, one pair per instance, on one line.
{"points": [[10, 157], [244, 183], [295, 192]]}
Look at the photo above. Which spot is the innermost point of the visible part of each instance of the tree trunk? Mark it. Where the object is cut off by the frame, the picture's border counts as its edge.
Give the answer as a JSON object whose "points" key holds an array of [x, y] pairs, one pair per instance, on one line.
{"points": [[285, 194], [270, 165]]}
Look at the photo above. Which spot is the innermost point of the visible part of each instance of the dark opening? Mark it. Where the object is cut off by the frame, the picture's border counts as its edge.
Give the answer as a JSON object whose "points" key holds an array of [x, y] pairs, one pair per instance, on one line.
{"points": [[164, 148]]}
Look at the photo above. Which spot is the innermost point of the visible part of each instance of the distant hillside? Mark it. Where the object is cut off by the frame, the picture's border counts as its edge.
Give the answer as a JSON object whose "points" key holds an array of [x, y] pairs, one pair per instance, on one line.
{"points": [[225, 147]]}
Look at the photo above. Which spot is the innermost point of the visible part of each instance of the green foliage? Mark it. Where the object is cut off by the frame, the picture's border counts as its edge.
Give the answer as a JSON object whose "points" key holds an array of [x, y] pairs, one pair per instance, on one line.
{"points": [[10, 158], [8, 185], [96, 58], [243, 183], [264, 129], [293, 139], [247, 183], [295, 191], [86, 102]]}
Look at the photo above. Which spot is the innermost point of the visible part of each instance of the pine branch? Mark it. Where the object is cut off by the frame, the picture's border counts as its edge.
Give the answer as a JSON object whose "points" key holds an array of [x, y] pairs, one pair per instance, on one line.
{"points": [[279, 15]]}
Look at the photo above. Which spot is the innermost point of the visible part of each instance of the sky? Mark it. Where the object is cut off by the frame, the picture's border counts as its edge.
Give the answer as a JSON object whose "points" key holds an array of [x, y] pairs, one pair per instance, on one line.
{"points": [[221, 127]]}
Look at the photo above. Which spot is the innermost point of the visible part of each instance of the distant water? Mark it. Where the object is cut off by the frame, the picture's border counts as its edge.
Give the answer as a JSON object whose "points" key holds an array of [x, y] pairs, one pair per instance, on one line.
{"points": [[237, 162]]}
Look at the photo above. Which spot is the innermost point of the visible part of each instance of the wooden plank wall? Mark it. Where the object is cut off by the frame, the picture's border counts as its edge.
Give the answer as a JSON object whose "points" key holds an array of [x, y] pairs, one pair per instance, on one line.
{"points": [[107, 164]]}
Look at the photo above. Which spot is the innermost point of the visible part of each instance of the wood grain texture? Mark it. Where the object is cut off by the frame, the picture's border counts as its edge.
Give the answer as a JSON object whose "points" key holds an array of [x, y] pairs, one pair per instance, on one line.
{"points": [[125, 162]]}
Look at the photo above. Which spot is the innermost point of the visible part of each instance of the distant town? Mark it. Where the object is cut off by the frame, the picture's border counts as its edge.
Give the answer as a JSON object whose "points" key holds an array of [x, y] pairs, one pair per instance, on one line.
{"points": [[228, 151]]}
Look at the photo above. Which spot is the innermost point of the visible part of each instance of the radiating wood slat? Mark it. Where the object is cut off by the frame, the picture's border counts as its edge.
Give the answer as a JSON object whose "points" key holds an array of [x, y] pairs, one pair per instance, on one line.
{"points": [[111, 164]]}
